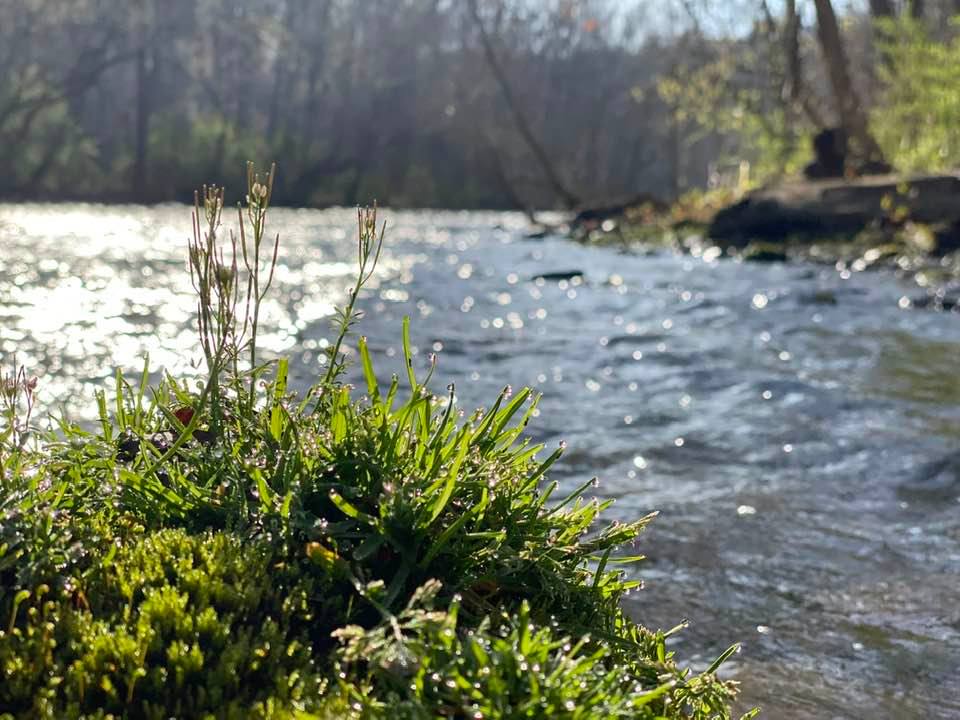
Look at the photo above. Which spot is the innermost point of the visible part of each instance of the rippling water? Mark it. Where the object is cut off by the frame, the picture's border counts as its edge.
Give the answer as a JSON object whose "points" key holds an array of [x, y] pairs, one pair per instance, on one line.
{"points": [[788, 421]]}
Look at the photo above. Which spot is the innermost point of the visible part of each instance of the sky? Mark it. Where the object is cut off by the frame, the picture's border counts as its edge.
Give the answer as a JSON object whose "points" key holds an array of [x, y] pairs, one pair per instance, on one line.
{"points": [[728, 17]]}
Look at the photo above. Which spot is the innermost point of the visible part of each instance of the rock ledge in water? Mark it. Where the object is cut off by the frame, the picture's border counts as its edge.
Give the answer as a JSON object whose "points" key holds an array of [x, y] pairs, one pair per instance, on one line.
{"points": [[824, 207]]}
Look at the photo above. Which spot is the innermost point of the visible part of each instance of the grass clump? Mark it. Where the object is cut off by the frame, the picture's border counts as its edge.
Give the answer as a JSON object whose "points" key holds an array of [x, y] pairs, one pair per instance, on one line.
{"points": [[231, 550]]}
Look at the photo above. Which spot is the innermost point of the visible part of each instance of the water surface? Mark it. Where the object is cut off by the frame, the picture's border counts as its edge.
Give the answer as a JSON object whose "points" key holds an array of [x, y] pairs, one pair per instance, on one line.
{"points": [[781, 417]]}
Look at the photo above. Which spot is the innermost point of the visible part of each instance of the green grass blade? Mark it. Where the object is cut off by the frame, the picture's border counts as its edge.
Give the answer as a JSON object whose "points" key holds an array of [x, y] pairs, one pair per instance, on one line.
{"points": [[407, 355], [373, 388], [724, 656], [508, 412], [572, 496], [452, 477]]}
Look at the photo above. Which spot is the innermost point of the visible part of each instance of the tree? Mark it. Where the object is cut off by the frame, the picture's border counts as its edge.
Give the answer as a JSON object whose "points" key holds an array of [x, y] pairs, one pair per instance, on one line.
{"points": [[853, 117]]}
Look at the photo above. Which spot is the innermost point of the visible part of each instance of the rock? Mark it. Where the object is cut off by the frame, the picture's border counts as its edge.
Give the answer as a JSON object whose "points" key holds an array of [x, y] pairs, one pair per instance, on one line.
{"points": [[759, 217], [946, 238], [559, 275], [821, 297], [826, 207], [935, 301], [937, 481]]}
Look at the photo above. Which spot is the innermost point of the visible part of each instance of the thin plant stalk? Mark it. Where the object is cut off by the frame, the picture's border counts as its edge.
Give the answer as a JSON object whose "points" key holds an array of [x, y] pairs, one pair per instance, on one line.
{"points": [[258, 201], [369, 246], [214, 277]]}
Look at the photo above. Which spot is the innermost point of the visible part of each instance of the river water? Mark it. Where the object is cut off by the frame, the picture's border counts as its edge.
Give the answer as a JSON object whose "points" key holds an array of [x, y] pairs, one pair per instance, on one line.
{"points": [[786, 420]]}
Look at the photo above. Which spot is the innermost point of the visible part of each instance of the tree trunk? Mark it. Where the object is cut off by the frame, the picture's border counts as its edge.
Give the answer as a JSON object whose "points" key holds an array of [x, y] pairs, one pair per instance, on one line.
{"points": [[791, 46], [676, 157], [523, 126], [849, 106], [795, 91], [143, 127]]}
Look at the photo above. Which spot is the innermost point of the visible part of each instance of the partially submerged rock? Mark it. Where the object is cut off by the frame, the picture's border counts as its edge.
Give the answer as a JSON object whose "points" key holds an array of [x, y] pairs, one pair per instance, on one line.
{"points": [[558, 275], [937, 481]]}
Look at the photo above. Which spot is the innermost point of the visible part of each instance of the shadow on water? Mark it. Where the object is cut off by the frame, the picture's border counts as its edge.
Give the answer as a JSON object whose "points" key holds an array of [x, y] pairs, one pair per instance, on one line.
{"points": [[797, 429]]}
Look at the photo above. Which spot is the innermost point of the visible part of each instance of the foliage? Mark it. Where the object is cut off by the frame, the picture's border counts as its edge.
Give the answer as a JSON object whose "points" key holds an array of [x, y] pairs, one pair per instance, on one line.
{"points": [[697, 206], [522, 670], [721, 95], [231, 550], [143, 101], [916, 121]]}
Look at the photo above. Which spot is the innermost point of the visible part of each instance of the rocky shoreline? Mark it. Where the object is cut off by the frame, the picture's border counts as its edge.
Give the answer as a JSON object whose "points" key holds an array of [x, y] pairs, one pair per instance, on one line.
{"points": [[908, 225]]}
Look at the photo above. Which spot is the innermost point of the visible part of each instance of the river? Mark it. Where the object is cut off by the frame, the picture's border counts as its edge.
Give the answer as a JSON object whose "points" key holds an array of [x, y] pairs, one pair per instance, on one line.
{"points": [[782, 418]]}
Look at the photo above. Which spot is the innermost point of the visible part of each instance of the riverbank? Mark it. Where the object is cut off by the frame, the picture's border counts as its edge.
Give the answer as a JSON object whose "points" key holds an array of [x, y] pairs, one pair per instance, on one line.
{"points": [[910, 226]]}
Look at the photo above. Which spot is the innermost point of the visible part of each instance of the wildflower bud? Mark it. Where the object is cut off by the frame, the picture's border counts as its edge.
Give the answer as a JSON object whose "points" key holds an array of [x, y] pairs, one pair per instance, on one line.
{"points": [[225, 276], [8, 387]]}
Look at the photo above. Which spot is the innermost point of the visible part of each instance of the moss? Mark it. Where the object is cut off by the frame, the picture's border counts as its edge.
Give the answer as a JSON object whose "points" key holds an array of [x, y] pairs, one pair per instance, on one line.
{"points": [[189, 625]]}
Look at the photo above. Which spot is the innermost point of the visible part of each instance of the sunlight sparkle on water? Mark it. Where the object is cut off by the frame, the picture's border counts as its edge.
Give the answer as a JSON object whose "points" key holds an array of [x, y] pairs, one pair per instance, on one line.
{"points": [[92, 289]]}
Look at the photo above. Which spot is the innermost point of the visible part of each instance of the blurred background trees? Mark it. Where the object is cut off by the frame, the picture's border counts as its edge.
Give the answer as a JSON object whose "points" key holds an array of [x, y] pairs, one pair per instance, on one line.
{"points": [[463, 103]]}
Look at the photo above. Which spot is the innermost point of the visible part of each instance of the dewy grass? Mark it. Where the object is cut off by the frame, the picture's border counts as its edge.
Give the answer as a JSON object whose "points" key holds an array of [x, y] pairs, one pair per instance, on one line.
{"points": [[232, 551]]}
